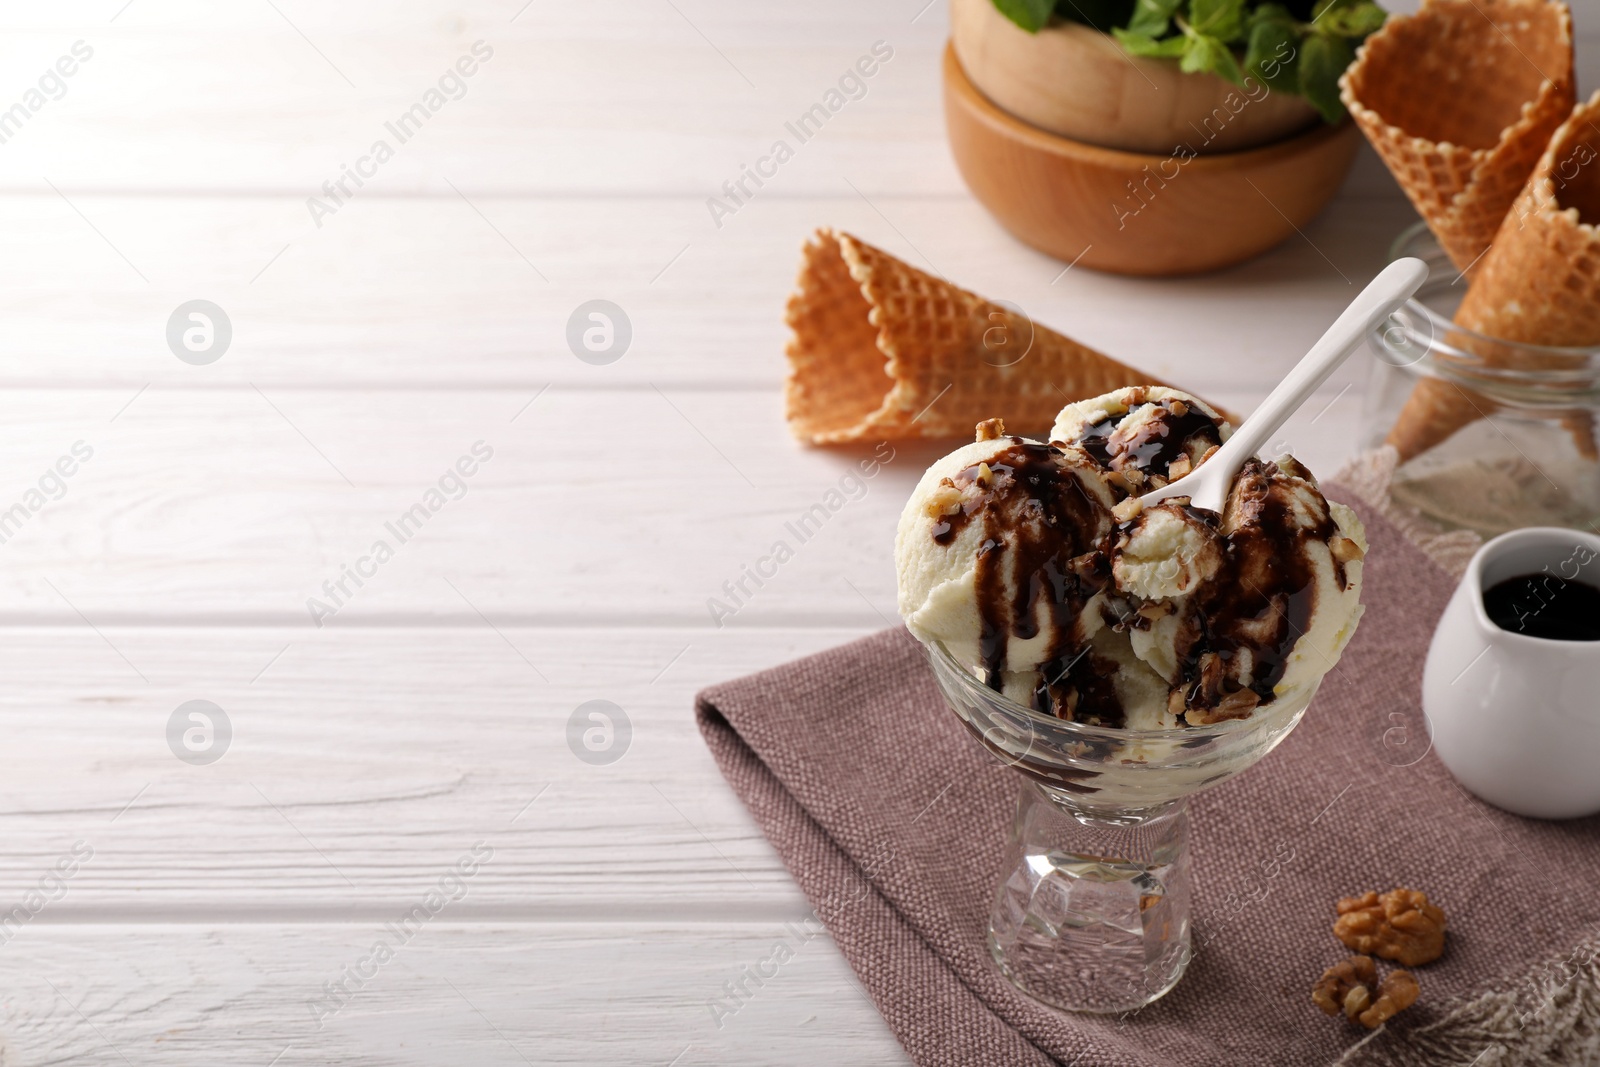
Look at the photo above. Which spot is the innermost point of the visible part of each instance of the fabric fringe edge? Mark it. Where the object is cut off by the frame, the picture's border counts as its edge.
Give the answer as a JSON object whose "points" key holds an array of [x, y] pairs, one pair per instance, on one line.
{"points": [[1547, 1018]]}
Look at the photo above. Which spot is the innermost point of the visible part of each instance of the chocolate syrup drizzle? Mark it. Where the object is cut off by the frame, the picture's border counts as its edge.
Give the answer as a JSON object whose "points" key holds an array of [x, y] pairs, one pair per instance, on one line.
{"points": [[1263, 597], [1155, 444], [1047, 537], [1262, 600]]}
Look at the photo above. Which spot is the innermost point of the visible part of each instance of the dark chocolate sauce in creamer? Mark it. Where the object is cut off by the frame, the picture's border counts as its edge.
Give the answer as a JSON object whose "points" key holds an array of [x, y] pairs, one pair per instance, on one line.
{"points": [[1545, 605]]}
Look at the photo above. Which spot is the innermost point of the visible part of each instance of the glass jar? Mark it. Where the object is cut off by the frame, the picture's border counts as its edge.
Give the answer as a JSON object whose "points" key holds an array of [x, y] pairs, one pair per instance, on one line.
{"points": [[1524, 454]]}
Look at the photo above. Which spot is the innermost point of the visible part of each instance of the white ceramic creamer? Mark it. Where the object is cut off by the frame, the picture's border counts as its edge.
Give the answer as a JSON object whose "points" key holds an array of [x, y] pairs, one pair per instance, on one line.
{"points": [[1516, 718]]}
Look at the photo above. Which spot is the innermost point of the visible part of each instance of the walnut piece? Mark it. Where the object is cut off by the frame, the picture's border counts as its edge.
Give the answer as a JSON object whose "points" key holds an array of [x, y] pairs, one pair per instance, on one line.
{"points": [[1345, 550], [991, 429], [1352, 989], [1290, 467], [1127, 509], [1152, 610], [1340, 982], [944, 500], [1238, 705], [1399, 925], [1397, 993]]}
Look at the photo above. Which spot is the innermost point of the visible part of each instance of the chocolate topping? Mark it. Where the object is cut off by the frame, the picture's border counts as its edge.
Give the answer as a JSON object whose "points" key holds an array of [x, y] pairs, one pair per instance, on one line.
{"points": [[1082, 691], [1154, 444], [1045, 551], [1260, 603]]}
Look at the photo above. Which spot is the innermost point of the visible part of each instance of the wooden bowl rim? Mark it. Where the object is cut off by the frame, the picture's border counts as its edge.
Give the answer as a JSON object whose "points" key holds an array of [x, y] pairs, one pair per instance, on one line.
{"points": [[1115, 158]]}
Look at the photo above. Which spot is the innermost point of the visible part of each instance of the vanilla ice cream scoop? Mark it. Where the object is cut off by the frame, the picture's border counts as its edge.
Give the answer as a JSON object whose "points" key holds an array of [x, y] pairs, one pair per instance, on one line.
{"points": [[1274, 615], [1145, 436], [1002, 555], [1167, 551]]}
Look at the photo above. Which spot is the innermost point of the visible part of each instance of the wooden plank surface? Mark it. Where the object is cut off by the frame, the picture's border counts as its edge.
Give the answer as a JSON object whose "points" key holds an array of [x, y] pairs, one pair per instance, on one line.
{"points": [[363, 760], [241, 504], [425, 293], [599, 994]]}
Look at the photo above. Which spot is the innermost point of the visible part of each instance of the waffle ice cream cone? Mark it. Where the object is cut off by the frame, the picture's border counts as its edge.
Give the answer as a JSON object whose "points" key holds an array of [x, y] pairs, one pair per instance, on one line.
{"points": [[1538, 284], [883, 350], [1435, 410], [1460, 100]]}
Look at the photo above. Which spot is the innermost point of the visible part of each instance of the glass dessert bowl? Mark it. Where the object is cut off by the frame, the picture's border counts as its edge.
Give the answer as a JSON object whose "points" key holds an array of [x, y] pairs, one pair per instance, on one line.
{"points": [[1123, 651], [1092, 911]]}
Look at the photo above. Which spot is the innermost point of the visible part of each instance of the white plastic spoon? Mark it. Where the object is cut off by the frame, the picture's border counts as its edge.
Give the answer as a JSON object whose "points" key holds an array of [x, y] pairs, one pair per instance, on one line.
{"points": [[1207, 486]]}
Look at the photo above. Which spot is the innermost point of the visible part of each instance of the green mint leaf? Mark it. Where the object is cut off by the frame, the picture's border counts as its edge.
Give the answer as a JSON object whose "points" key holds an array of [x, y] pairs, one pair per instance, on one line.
{"points": [[1102, 15], [1141, 45], [1355, 22], [1221, 19], [1031, 15], [1322, 60], [1204, 54], [1273, 55], [1152, 18], [1275, 13]]}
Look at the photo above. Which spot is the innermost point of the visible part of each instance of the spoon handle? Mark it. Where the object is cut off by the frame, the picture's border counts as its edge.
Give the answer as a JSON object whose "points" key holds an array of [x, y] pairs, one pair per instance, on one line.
{"points": [[1386, 293]]}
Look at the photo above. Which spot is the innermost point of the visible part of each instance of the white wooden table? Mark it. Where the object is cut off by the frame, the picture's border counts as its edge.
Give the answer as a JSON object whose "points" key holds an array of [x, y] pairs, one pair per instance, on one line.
{"points": [[210, 908]]}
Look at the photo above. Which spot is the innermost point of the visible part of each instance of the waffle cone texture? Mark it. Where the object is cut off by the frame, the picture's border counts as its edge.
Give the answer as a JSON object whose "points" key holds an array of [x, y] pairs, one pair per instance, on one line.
{"points": [[882, 350], [1460, 100], [1538, 284]]}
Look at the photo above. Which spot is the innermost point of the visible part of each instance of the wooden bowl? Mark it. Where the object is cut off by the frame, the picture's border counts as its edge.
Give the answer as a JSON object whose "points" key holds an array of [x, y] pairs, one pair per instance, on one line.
{"points": [[1131, 213], [1076, 81]]}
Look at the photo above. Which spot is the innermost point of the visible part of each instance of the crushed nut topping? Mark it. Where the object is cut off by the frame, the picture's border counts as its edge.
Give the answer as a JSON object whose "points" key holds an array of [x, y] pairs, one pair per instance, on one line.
{"points": [[1235, 705], [1155, 609], [1345, 550], [1128, 509], [1238, 705], [985, 476], [1352, 989], [1179, 467], [945, 500], [1399, 925], [991, 429], [1292, 468]]}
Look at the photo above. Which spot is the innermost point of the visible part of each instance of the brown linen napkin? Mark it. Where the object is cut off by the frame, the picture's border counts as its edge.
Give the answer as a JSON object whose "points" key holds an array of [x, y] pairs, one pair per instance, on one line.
{"points": [[892, 820]]}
